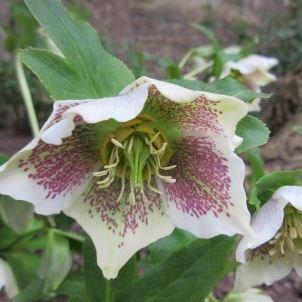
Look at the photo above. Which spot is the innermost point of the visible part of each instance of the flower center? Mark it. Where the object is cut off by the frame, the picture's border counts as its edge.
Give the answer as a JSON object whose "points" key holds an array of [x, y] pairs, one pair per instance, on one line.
{"points": [[289, 237], [135, 153]]}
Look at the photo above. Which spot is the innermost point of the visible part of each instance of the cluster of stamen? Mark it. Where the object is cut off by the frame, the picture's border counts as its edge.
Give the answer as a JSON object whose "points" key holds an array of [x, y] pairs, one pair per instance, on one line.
{"points": [[289, 237], [136, 153]]}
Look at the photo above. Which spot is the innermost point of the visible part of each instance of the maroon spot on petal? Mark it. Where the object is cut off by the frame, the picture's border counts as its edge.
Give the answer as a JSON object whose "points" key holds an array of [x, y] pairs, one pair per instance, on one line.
{"points": [[60, 169], [201, 113], [202, 178], [122, 217]]}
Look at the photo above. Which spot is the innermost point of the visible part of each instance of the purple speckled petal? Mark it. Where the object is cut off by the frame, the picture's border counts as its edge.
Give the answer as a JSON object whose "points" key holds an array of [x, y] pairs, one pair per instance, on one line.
{"points": [[49, 176], [119, 229], [193, 109], [202, 113], [208, 197]]}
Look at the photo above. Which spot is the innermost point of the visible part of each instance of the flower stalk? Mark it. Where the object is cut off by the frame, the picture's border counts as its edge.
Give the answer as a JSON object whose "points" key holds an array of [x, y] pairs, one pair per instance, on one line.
{"points": [[28, 102]]}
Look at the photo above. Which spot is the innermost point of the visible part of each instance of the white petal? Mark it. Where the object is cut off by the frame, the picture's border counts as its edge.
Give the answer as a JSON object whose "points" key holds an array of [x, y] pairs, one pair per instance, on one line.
{"points": [[266, 223], [258, 78], [290, 194], [268, 220], [208, 197], [254, 106], [258, 271], [56, 133], [122, 108], [7, 279], [119, 230], [249, 64], [251, 295]]}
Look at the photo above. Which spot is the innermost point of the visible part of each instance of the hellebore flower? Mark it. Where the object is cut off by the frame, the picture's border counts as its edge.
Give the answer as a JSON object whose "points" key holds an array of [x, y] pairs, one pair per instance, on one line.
{"points": [[253, 72], [251, 295], [7, 280], [130, 168], [277, 247]]}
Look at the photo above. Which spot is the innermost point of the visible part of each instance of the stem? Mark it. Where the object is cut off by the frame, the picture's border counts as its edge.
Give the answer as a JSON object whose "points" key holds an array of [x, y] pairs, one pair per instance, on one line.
{"points": [[26, 96], [185, 58], [69, 235], [108, 291], [197, 70]]}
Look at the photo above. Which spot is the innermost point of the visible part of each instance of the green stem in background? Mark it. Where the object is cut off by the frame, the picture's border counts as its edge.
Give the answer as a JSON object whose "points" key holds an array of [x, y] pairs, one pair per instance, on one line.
{"points": [[34, 125], [186, 57], [197, 70]]}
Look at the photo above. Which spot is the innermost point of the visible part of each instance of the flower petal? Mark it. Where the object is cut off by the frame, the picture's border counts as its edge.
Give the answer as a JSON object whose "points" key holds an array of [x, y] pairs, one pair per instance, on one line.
{"points": [[208, 197], [122, 108], [117, 228], [290, 194], [251, 295], [7, 279], [249, 64], [193, 109], [261, 270], [49, 176], [268, 220]]}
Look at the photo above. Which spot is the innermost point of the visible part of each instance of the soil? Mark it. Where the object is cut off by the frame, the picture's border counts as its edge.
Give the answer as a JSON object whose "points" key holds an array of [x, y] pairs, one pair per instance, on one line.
{"points": [[161, 28]]}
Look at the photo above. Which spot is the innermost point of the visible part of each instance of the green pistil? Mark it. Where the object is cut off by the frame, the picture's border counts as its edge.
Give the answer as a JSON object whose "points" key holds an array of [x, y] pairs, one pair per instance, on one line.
{"points": [[136, 159]]}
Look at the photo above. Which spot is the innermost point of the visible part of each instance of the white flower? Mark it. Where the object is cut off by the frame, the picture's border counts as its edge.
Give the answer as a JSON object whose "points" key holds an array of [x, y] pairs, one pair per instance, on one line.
{"points": [[132, 167], [7, 279], [277, 248], [251, 295], [253, 72]]}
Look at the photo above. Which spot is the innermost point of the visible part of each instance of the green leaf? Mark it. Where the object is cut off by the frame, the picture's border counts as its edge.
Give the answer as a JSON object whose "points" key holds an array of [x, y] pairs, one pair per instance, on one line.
{"points": [[97, 287], [162, 249], [228, 86], [257, 164], [16, 214], [8, 237], [23, 31], [99, 73], [33, 292], [298, 129], [266, 186], [3, 158], [24, 266], [208, 33], [187, 275], [59, 77], [253, 131], [56, 262], [74, 287]]}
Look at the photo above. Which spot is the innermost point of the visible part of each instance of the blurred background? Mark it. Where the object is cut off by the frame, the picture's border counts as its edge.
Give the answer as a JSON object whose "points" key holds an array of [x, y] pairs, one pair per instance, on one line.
{"points": [[152, 36]]}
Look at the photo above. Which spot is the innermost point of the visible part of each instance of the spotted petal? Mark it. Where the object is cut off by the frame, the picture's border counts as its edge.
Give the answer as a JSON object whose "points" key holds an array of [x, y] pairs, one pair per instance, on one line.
{"points": [[53, 169], [192, 109], [117, 228], [49, 176], [208, 197]]}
